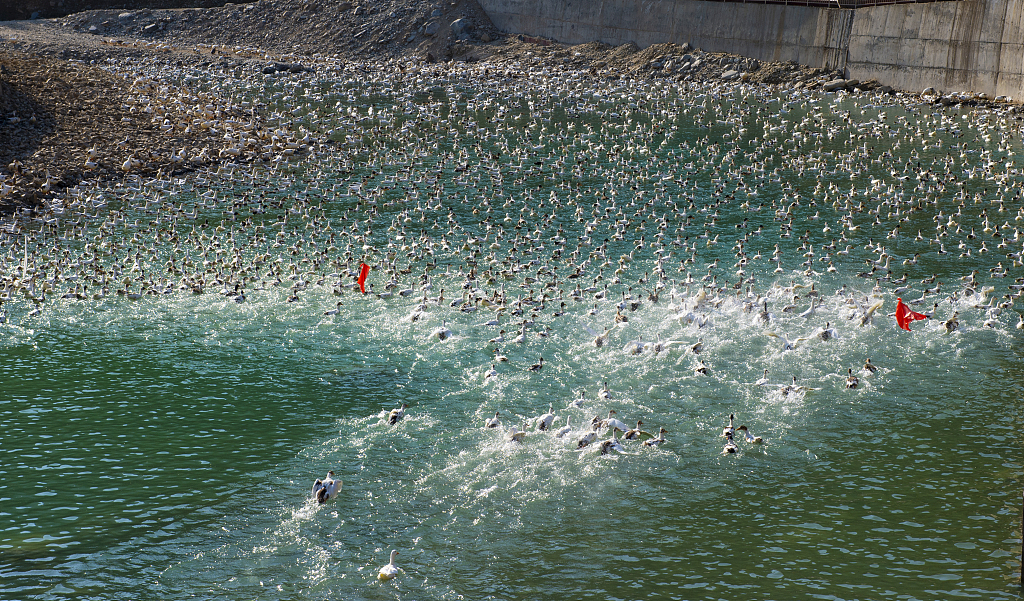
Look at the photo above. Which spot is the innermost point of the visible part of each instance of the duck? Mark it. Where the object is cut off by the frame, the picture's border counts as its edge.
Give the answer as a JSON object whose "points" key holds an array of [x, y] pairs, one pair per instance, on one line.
{"points": [[537, 366], [500, 358], [612, 444], [730, 447], [326, 489], [515, 434], [748, 436], [787, 344], [869, 366], [763, 380], [634, 433], [952, 323], [611, 422], [729, 430], [397, 414], [851, 380], [544, 421], [493, 422], [443, 333], [660, 439], [490, 373], [585, 439], [604, 393], [561, 432], [390, 570], [828, 332]]}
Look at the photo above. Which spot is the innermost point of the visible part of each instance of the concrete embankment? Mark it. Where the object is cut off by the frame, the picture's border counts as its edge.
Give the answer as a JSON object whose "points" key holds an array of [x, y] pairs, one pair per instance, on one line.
{"points": [[963, 45]]}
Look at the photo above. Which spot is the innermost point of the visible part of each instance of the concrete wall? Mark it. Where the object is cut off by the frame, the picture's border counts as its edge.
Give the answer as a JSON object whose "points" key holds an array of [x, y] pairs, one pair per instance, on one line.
{"points": [[970, 45], [964, 45]]}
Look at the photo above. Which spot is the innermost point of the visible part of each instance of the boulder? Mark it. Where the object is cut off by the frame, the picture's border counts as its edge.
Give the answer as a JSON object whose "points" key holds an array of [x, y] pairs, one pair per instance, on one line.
{"points": [[431, 28], [730, 75], [125, 16], [835, 84], [461, 27]]}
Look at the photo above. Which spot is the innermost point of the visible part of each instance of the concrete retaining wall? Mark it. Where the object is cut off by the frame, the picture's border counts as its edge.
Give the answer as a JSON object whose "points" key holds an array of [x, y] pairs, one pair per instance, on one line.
{"points": [[964, 45]]}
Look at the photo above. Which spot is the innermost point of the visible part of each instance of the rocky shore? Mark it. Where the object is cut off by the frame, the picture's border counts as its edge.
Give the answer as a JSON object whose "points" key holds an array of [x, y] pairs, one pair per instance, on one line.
{"points": [[68, 117]]}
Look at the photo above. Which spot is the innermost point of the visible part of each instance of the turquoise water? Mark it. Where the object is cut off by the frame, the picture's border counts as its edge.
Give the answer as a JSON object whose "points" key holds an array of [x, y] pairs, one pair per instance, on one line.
{"points": [[164, 447]]}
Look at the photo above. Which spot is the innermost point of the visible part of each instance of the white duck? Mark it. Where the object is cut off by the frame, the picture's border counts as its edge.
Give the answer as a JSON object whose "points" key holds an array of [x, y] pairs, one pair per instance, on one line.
{"points": [[544, 421], [748, 436], [326, 489], [390, 570], [493, 422], [653, 442]]}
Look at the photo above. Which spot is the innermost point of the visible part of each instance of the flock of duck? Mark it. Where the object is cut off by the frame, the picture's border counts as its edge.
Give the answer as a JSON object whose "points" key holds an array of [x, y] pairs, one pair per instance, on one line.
{"points": [[619, 213]]}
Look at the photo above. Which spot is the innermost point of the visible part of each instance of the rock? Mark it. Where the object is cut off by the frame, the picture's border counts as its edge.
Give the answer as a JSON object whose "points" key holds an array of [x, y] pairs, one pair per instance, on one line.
{"points": [[34, 15], [94, 29], [885, 89], [461, 26], [149, 28], [833, 85], [928, 91], [125, 16], [852, 83], [730, 75], [296, 68], [269, 70], [431, 28], [486, 37], [436, 12], [686, 47]]}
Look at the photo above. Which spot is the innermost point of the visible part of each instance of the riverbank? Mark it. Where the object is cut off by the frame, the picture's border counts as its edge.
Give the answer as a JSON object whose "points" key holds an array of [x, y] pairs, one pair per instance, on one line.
{"points": [[69, 117]]}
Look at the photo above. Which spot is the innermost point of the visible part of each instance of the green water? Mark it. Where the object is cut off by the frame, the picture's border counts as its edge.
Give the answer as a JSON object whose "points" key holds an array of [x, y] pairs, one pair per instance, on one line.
{"points": [[165, 447]]}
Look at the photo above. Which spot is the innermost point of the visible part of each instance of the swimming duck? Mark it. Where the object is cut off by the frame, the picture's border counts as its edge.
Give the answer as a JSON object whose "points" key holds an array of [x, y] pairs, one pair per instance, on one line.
{"points": [[729, 430], [952, 323], [390, 570], [544, 421], [443, 333], [611, 422], [763, 380], [869, 366], [537, 366], [730, 447], [748, 436], [397, 414], [491, 373], [326, 489], [634, 433], [612, 444], [493, 422], [585, 439], [515, 434], [653, 442], [604, 393], [851, 380], [561, 432]]}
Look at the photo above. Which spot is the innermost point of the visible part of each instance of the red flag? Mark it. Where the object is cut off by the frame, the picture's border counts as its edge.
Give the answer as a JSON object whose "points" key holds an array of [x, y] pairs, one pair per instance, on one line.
{"points": [[364, 270], [904, 315]]}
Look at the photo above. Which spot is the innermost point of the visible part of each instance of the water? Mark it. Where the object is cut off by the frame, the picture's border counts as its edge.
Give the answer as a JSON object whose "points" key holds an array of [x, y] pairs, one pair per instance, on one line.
{"points": [[164, 447]]}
